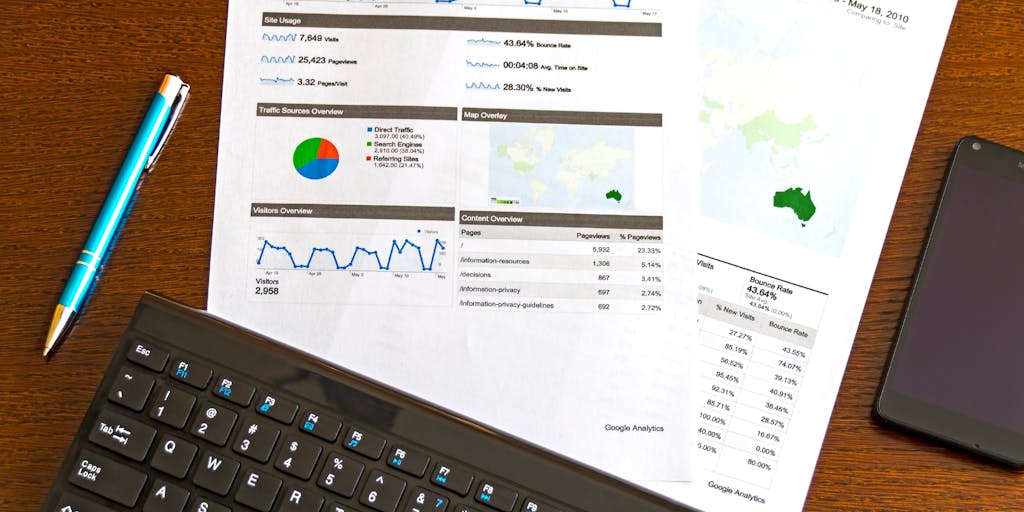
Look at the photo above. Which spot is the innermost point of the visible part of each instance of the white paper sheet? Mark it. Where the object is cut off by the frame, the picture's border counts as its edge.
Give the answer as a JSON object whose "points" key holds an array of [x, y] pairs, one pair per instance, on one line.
{"points": [[809, 110], [486, 204]]}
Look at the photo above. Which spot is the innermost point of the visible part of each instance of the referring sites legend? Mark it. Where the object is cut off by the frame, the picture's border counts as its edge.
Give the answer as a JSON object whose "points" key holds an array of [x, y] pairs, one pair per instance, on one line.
{"points": [[395, 147]]}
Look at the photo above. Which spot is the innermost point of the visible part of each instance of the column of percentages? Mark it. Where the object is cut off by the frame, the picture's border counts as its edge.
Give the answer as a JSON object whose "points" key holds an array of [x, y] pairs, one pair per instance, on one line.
{"points": [[756, 335]]}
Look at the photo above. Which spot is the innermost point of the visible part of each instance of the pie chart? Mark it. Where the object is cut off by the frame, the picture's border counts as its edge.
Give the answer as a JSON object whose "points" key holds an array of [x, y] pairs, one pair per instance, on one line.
{"points": [[315, 158]]}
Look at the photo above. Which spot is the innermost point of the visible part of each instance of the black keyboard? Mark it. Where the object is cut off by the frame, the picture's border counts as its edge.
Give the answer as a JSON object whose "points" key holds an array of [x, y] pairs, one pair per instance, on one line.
{"points": [[197, 414]]}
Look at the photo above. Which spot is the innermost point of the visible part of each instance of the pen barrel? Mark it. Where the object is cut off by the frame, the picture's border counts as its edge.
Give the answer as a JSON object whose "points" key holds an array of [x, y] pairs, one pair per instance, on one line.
{"points": [[116, 205]]}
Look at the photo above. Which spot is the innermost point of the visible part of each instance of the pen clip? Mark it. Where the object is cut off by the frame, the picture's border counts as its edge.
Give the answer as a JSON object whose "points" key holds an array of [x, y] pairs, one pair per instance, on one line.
{"points": [[179, 104]]}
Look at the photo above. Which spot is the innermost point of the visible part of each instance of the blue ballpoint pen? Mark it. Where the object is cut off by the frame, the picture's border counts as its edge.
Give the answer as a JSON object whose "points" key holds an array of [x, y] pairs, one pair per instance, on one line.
{"points": [[149, 141]]}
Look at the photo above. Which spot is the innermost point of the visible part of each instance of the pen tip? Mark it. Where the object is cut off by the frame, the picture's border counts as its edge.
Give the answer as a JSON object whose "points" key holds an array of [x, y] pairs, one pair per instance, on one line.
{"points": [[62, 319]]}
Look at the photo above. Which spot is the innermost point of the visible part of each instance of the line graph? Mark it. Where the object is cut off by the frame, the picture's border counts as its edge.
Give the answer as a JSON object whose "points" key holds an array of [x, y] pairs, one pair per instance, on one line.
{"points": [[483, 42], [277, 81], [279, 37], [363, 254], [287, 59], [483, 65], [483, 86]]}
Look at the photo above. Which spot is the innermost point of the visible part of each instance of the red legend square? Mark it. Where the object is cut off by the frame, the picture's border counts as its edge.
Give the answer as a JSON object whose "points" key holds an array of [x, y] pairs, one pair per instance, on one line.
{"points": [[368, 158]]}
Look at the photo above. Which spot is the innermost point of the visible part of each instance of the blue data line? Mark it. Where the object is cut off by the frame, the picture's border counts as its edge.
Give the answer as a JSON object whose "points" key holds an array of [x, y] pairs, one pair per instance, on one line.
{"points": [[621, 3], [277, 81], [278, 37], [381, 265], [483, 42], [290, 59], [483, 86], [481, 64]]}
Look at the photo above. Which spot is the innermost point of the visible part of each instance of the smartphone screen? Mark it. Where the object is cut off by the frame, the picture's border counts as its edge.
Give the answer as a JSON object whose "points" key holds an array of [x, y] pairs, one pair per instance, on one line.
{"points": [[957, 367]]}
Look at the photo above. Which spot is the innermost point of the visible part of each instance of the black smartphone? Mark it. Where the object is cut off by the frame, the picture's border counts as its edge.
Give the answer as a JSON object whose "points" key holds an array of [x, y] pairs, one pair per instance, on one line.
{"points": [[956, 371]]}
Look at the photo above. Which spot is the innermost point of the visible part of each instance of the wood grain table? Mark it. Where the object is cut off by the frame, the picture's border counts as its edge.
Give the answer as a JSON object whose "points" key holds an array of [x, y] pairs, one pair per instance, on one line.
{"points": [[75, 79]]}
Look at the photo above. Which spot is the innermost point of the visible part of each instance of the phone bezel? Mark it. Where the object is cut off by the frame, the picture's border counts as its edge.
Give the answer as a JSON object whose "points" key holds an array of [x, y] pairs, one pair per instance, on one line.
{"points": [[971, 434]]}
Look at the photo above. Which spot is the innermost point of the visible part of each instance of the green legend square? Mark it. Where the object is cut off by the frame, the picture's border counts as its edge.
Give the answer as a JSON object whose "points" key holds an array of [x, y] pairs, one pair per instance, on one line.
{"points": [[369, 143]]}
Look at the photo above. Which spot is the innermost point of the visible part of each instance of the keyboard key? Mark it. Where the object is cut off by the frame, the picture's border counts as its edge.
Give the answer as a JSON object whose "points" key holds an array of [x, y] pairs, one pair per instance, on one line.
{"points": [[361, 441], [214, 424], [496, 497], [131, 389], [338, 507], [76, 503], [165, 497], [324, 427], [297, 499], [422, 500], [280, 409], [107, 478], [465, 508], [410, 461], [451, 478], [174, 456], [215, 473], [194, 375], [298, 457], [172, 407], [257, 490], [122, 435], [382, 491], [147, 355], [532, 505], [340, 475], [234, 390], [256, 440], [202, 504]]}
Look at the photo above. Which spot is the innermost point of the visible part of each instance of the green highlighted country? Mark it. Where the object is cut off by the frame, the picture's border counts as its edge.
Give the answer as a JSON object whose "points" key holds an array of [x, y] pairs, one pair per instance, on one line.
{"points": [[614, 194], [767, 127], [796, 200]]}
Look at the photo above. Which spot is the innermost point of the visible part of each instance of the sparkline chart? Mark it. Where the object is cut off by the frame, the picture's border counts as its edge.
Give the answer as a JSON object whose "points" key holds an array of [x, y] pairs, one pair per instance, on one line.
{"points": [[352, 268], [326, 258]]}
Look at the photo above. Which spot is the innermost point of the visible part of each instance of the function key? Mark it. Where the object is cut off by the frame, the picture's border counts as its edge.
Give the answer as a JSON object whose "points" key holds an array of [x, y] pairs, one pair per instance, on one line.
{"points": [[410, 461], [496, 496], [147, 355], [453, 479], [280, 409], [532, 505], [234, 390], [363, 442], [194, 375], [324, 427], [131, 389]]}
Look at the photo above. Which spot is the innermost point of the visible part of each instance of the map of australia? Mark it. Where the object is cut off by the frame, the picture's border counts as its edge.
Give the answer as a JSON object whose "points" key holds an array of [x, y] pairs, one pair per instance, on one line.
{"points": [[562, 167], [773, 128]]}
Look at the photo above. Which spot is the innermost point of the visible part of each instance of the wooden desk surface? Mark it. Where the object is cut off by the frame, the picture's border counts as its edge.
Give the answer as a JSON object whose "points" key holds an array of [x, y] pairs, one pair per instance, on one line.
{"points": [[75, 78]]}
